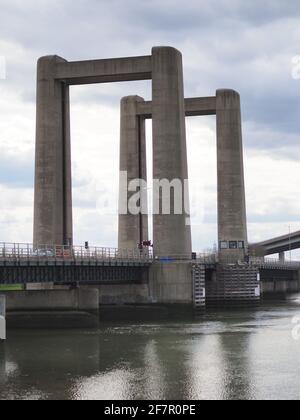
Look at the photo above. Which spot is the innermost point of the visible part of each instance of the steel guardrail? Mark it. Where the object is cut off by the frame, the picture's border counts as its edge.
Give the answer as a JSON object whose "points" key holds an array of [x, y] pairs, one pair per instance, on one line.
{"points": [[23, 251]]}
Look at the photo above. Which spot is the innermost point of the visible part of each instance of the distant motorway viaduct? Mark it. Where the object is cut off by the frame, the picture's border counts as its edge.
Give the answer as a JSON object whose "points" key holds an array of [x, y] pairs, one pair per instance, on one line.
{"points": [[278, 245]]}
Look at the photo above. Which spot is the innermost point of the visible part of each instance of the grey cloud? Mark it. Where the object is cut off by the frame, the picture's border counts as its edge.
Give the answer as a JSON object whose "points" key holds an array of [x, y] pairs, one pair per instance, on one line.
{"points": [[16, 174], [235, 44]]}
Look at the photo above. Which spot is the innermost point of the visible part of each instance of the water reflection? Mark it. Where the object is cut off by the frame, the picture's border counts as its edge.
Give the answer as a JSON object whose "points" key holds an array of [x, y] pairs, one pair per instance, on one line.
{"points": [[235, 355], [39, 364], [236, 370]]}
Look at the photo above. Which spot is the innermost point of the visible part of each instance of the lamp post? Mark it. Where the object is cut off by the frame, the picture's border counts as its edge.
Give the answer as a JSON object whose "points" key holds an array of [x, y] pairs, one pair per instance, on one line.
{"points": [[290, 243]]}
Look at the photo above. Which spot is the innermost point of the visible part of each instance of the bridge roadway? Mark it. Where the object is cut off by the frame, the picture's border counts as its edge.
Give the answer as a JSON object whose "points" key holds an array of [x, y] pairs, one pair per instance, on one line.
{"points": [[23, 263]]}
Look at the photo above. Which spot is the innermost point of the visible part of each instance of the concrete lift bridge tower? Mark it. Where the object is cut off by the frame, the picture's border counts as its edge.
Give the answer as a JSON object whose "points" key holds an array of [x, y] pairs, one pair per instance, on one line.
{"points": [[53, 187], [232, 222]]}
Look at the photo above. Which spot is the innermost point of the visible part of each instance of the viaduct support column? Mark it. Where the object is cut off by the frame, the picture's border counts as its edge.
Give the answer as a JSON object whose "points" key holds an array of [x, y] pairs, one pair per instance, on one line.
{"points": [[232, 223], [133, 225], [53, 195], [172, 232]]}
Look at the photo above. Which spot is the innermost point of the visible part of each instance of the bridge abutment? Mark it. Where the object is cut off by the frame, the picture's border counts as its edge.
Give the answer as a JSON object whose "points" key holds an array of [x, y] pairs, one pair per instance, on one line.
{"points": [[280, 282], [71, 308], [171, 283]]}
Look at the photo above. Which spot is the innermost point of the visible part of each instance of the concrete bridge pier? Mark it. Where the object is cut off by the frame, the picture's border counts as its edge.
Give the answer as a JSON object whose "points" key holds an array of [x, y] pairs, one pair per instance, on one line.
{"points": [[172, 232], [133, 226], [232, 224], [53, 192], [171, 283], [282, 257]]}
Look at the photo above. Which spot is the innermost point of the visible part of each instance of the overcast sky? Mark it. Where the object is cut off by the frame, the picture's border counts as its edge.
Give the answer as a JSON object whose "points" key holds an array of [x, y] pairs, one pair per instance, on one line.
{"points": [[246, 46]]}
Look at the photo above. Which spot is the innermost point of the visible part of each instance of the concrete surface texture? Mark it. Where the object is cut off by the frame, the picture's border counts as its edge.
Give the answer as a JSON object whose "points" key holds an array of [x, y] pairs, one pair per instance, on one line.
{"points": [[232, 224], [80, 299], [53, 192], [193, 107], [171, 233], [133, 228], [104, 70], [171, 283], [124, 294]]}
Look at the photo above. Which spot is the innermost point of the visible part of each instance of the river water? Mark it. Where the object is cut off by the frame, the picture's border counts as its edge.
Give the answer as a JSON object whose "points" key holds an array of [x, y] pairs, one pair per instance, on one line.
{"points": [[225, 355]]}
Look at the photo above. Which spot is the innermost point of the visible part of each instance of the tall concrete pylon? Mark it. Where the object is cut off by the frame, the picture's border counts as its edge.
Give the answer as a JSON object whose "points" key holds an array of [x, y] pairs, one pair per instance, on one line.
{"points": [[172, 232], [53, 190], [133, 227], [232, 222], [53, 195], [232, 230]]}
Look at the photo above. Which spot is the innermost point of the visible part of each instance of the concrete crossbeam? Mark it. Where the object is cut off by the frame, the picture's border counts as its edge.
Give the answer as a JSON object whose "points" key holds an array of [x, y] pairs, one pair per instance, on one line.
{"points": [[193, 107], [104, 71]]}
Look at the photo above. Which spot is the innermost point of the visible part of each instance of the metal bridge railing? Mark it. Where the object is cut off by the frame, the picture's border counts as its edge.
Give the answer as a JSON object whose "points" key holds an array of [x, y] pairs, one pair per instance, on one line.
{"points": [[210, 258], [19, 251], [201, 258], [273, 262]]}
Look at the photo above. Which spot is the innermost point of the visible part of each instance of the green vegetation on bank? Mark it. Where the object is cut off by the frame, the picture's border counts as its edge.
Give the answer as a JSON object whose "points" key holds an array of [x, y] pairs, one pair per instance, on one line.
{"points": [[10, 287]]}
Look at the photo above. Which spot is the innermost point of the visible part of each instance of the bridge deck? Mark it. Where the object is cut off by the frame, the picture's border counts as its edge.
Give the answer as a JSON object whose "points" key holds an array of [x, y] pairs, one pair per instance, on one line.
{"points": [[23, 263]]}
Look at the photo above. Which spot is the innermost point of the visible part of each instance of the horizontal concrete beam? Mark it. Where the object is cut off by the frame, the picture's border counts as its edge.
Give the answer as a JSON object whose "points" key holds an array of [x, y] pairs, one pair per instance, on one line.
{"points": [[200, 106], [105, 71], [193, 107]]}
